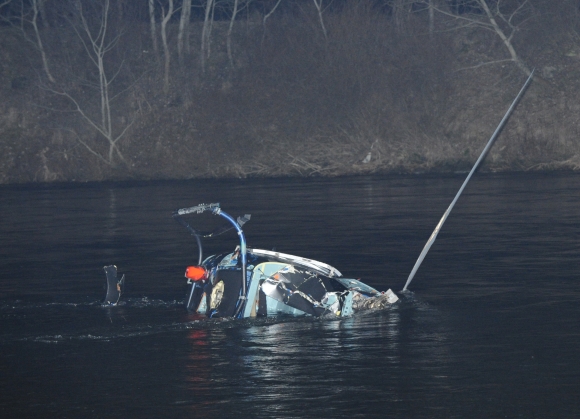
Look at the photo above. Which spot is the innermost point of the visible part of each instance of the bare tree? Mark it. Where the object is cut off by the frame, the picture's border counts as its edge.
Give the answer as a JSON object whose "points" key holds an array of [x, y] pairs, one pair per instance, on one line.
{"points": [[36, 7], [206, 33], [183, 34], [153, 28], [431, 18], [236, 9], [319, 10], [97, 43], [504, 24], [511, 27], [166, 53], [30, 16], [229, 34], [267, 15]]}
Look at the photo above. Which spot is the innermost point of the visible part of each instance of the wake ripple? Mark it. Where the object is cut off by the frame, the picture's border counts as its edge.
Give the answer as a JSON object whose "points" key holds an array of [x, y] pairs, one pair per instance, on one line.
{"points": [[131, 318]]}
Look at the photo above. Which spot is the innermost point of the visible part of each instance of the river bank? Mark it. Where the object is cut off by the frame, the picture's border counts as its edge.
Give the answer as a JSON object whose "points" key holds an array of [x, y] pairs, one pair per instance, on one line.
{"points": [[371, 93]]}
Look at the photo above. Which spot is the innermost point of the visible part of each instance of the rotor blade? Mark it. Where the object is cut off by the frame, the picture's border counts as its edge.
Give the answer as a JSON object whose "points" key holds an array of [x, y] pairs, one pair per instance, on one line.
{"points": [[241, 220], [220, 230], [479, 160]]}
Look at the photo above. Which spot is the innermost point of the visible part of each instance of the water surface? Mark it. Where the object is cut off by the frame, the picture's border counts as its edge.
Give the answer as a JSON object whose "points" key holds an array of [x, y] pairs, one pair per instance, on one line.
{"points": [[490, 328]]}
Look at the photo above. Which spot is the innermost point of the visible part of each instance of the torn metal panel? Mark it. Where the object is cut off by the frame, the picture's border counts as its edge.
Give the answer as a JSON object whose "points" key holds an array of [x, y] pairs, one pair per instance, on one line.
{"points": [[276, 288], [311, 264], [115, 285]]}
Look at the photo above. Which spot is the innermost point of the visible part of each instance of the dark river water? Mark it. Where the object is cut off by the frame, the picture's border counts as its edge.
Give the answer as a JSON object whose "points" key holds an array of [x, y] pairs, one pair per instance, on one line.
{"points": [[490, 329]]}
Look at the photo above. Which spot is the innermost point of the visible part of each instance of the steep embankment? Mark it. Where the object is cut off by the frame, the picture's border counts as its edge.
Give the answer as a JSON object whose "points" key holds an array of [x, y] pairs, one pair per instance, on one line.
{"points": [[370, 96]]}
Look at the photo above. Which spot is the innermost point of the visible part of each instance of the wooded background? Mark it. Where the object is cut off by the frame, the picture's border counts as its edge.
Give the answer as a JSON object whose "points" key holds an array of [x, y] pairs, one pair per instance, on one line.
{"points": [[127, 89]]}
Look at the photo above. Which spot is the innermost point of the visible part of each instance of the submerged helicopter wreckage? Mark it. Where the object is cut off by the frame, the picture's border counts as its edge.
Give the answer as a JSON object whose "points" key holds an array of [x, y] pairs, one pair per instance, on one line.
{"points": [[254, 282]]}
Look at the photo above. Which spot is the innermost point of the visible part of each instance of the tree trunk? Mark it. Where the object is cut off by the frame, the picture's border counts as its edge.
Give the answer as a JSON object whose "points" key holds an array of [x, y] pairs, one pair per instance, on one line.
{"points": [[183, 34], [318, 5], [166, 52], [205, 34], [266, 18], [153, 28], [431, 19], [36, 10], [506, 40], [229, 35]]}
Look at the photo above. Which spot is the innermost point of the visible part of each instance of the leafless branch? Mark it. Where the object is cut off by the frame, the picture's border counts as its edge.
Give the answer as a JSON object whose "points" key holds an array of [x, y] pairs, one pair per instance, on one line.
{"points": [[80, 140], [484, 64], [491, 24], [319, 9]]}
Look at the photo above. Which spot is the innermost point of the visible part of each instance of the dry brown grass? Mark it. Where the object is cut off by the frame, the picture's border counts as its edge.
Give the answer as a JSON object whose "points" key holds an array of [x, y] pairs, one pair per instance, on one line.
{"points": [[299, 105]]}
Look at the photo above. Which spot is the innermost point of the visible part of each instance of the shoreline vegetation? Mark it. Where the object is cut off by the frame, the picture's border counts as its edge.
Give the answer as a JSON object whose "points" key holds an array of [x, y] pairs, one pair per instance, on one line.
{"points": [[97, 90]]}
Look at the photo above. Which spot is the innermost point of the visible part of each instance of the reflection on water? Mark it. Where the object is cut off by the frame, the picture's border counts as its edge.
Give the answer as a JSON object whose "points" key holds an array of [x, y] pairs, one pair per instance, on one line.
{"points": [[489, 330], [330, 368], [110, 225]]}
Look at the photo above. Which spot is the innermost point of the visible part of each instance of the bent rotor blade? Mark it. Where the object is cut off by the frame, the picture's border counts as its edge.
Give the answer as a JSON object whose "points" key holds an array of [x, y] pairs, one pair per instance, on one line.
{"points": [[220, 230], [479, 160], [241, 220]]}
